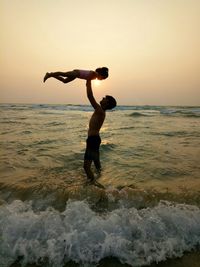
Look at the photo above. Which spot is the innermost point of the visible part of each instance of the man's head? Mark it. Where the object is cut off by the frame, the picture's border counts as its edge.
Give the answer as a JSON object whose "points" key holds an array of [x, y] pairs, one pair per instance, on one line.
{"points": [[108, 102], [102, 73]]}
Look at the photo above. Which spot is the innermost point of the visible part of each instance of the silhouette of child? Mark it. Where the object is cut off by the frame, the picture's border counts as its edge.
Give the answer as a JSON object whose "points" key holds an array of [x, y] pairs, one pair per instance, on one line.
{"points": [[66, 77]]}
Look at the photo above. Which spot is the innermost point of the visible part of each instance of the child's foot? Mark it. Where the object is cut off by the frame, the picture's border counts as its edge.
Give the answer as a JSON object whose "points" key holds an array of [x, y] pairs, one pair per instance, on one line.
{"points": [[47, 75]]}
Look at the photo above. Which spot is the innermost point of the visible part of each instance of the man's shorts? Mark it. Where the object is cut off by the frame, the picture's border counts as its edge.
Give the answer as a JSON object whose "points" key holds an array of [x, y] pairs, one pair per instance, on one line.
{"points": [[92, 148]]}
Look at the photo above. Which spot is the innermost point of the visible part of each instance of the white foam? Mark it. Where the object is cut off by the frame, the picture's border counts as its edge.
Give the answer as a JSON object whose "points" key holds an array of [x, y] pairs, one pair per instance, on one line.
{"points": [[136, 237]]}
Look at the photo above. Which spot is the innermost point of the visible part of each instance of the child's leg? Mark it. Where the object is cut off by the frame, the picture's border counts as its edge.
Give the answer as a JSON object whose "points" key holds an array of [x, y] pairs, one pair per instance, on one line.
{"points": [[64, 80], [63, 74], [70, 76]]}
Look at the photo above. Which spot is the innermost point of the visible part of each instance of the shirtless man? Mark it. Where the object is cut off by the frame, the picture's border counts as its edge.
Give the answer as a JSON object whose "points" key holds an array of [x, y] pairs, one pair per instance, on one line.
{"points": [[93, 141]]}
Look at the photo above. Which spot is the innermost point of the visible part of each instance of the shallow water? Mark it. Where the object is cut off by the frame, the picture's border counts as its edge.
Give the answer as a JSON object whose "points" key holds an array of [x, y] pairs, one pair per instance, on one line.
{"points": [[148, 210]]}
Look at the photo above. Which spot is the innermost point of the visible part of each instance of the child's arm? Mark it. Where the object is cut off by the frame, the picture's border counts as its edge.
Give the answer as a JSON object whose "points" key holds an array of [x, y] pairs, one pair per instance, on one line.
{"points": [[90, 95]]}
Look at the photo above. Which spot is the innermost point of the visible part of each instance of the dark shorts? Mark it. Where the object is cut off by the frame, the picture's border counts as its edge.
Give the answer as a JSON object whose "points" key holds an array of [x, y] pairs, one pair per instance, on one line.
{"points": [[92, 148]]}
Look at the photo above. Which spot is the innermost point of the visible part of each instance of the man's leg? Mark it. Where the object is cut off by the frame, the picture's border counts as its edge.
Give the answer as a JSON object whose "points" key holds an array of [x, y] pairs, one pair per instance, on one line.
{"points": [[97, 163], [87, 168]]}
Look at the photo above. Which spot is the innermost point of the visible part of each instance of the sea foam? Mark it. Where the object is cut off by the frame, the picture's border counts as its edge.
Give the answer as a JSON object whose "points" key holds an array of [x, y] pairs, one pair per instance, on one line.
{"points": [[136, 237]]}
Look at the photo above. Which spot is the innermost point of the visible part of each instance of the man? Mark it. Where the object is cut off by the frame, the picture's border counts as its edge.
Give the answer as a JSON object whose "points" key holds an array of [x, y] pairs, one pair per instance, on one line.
{"points": [[93, 141]]}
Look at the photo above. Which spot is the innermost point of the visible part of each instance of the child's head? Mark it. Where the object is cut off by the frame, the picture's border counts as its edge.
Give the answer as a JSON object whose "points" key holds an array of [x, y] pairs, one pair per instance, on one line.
{"points": [[102, 73], [108, 102]]}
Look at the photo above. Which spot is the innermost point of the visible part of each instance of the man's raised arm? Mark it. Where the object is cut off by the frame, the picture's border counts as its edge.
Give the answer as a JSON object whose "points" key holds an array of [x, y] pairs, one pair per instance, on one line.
{"points": [[90, 95]]}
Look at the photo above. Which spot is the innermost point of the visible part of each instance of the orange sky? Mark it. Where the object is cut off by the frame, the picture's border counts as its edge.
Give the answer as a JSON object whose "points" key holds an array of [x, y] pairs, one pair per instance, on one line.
{"points": [[150, 46]]}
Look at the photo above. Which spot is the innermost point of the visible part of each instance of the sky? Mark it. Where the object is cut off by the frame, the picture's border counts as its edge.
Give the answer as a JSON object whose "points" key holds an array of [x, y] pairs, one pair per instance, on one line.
{"points": [[151, 48]]}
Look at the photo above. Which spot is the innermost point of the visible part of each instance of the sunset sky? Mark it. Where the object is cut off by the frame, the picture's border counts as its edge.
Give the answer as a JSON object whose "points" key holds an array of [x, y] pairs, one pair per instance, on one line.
{"points": [[151, 47]]}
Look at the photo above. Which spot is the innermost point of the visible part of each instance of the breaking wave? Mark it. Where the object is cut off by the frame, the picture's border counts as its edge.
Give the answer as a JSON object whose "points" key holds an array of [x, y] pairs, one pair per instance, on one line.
{"points": [[79, 234]]}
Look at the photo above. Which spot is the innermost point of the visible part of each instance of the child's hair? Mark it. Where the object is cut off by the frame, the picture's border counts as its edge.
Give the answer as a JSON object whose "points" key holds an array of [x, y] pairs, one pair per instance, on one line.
{"points": [[111, 102], [103, 72]]}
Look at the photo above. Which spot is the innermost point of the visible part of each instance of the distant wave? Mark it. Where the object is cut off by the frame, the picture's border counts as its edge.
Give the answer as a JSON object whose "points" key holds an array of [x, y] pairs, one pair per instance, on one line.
{"points": [[26, 132], [178, 133], [186, 112], [78, 234], [195, 113], [139, 114], [55, 123], [164, 110], [46, 107]]}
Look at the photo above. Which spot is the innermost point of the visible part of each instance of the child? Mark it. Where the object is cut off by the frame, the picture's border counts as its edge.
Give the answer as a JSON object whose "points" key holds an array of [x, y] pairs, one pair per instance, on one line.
{"points": [[93, 141], [66, 77]]}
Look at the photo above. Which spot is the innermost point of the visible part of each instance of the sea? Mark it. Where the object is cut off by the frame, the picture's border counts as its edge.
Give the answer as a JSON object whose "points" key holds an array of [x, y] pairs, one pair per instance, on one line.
{"points": [[143, 210]]}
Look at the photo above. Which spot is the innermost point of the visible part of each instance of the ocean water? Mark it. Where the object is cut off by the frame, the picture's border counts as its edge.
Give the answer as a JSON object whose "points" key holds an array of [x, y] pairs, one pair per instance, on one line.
{"points": [[143, 210]]}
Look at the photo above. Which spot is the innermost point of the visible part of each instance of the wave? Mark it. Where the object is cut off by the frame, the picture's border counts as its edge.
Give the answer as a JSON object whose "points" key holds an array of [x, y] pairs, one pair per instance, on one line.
{"points": [[10, 121], [81, 235], [184, 112], [178, 133], [46, 107], [165, 110], [190, 113], [108, 146], [140, 114], [145, 107], [54, 123], [138, 111]]}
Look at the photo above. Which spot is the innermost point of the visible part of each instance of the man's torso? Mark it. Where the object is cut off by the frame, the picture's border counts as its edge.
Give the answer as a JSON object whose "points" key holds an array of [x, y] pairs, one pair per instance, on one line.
{"points": [[96, 122]]}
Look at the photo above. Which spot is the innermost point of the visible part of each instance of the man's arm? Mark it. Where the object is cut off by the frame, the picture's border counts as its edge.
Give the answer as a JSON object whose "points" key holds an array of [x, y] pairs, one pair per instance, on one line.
{"points": [[90, 95]]}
